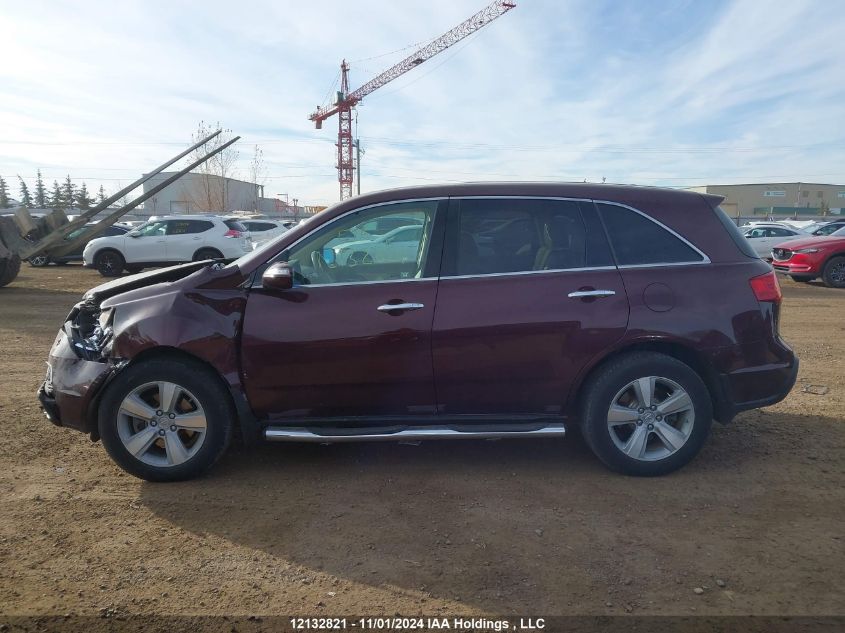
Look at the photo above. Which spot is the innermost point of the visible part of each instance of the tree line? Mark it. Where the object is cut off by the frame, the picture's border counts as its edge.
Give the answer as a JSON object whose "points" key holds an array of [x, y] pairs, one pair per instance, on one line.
{"points": [[62, 196]]}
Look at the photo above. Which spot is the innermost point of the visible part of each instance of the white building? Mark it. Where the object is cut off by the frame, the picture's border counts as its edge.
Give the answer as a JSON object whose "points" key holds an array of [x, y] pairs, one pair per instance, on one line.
{"points": [[197, 193]]}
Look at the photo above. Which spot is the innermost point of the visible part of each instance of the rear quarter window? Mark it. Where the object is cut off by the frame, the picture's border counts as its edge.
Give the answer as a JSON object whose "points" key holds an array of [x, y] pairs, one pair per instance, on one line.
{"points": [[637, 240]]}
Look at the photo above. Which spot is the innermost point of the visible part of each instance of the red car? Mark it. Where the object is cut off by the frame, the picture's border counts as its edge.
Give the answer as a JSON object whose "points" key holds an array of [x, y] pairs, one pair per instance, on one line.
{"points": [[523, 310], [807, 258]]}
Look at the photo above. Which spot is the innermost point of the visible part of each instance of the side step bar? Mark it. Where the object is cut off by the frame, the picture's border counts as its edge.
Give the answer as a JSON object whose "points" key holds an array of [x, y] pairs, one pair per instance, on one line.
{"points": [[406, 434]]}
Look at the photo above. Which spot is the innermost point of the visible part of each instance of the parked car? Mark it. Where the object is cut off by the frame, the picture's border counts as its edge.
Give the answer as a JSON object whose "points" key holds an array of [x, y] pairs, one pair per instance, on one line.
{"points": [[168, 240], [638, 314], [810, 257], [826, 228], [401, 245], [262, 230], [76, 255], [763, 237]]}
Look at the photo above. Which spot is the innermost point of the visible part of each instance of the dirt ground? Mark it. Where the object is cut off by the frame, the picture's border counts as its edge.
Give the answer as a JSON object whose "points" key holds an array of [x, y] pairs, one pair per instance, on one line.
{"points": [[518, 526]]}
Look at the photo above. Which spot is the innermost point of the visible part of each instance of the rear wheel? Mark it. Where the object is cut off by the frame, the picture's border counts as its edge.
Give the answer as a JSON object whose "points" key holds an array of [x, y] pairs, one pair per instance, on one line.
{"points": [[9, 269], [646, 414], [109, 263], [165, 420], [834, 272], [207, 253], [39, 261]]}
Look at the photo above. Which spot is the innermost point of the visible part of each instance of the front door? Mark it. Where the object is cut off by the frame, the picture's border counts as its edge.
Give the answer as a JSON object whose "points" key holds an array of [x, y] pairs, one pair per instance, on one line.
{"points": [[350, 339], [147, 243], [529, 294]]}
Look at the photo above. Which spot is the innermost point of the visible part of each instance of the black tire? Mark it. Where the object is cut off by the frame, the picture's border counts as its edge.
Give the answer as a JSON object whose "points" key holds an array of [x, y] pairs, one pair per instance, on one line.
{"points": [[602, 388], [801, 279], [834, 272], [203, 384], [207, 253], [9, 269], [134, 270], [109, 263], [39, 261]]}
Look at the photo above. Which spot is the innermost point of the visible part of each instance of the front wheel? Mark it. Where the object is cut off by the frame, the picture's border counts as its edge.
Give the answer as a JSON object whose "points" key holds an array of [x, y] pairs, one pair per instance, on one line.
{"points": [[834, 272], [109, 263], [165, 420], [646, 414]]}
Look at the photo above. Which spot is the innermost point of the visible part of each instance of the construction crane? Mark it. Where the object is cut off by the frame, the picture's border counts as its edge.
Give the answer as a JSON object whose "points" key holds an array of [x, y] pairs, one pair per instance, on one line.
{"points": [[346, 100]]}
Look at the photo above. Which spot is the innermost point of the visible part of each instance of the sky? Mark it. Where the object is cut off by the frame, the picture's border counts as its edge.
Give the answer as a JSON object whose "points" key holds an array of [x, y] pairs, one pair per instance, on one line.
{"points": [[652, 92]]}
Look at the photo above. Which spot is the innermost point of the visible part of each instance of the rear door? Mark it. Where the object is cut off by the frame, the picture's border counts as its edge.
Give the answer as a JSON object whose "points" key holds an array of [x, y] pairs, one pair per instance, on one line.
{"points": [[186, 237], [528, 296]]}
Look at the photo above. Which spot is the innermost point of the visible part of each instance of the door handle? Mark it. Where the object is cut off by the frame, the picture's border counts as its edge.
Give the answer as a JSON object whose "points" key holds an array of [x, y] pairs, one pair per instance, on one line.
{"points": [[400, 307], [579, 294]]}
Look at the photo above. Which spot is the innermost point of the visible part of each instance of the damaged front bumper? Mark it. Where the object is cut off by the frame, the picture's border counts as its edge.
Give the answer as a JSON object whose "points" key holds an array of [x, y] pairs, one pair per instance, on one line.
{"points": [[77, 370]]}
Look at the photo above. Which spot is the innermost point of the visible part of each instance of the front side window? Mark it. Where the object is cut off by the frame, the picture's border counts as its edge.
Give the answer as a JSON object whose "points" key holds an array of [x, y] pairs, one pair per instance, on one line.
{"points": [[345, 252], [152, 228], [513, 235], [638, 240]]}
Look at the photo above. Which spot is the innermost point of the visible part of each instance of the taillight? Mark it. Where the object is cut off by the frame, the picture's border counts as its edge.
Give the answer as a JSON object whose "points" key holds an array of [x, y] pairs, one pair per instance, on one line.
{"points": [[232, 233], [766, 287]]}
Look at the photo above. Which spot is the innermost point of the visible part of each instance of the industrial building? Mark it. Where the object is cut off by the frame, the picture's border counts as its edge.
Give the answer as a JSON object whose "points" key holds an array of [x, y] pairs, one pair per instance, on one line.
{"points": [[785, 199]]}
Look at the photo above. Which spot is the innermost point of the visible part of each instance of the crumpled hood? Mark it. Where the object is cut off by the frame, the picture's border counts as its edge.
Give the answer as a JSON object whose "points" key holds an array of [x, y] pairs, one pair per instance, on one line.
{"points": [[141, 280]]}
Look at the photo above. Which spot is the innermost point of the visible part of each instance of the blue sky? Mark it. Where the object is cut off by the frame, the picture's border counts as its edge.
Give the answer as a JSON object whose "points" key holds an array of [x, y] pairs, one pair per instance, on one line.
{"points": [[639, 91]]}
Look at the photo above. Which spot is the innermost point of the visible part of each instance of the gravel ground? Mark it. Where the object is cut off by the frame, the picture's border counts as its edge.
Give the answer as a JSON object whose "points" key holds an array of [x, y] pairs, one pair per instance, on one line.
{"points": [[753, 526]]}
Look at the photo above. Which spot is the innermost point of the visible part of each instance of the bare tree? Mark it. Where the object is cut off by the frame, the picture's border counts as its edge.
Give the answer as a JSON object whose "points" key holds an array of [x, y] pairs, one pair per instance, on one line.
{"points": [[257, 174], [208, 187]]}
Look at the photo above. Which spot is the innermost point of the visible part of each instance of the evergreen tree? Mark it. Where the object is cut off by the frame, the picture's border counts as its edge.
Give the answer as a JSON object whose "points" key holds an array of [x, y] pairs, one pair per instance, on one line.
{"points": [[83, 201], [101, 195], [26, 200], [40, 192], [4, 195], [68, 192], [56, 199]]}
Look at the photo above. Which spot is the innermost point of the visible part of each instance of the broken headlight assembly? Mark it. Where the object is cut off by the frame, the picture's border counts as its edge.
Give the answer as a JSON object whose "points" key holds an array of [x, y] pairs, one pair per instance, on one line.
{"points": [[90, 330]]}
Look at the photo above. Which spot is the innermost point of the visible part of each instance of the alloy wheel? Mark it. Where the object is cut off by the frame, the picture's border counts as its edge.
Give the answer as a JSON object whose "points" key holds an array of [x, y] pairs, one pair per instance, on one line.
{"points": [[161, 424], [650, 418]]}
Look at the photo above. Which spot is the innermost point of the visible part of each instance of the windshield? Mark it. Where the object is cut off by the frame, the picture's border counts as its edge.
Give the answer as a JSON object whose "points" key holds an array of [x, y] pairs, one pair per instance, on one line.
{"points": [[262, 253]]}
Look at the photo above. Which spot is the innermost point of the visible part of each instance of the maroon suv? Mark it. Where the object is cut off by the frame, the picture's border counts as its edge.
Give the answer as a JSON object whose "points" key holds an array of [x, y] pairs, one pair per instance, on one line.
{"points": [[488, 310]]}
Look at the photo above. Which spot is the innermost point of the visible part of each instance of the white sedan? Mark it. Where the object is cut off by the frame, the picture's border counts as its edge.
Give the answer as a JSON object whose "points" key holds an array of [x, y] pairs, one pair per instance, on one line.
{"points": [[764, 237], [401, 245]]}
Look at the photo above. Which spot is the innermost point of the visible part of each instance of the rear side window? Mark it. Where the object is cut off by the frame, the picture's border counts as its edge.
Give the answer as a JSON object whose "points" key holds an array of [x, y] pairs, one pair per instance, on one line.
{"points": [[638, 240], [496, 236], [185, 227], [736, 235]]}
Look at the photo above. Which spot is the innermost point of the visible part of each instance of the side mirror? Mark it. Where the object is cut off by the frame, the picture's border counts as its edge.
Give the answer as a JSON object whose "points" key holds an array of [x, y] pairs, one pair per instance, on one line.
{"points": [[278, 276]]}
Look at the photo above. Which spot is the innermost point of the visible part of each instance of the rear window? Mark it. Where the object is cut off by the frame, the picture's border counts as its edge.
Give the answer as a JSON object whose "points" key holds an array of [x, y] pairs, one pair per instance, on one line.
{"points": [[637, 240], [235, 225], [736, 235]]}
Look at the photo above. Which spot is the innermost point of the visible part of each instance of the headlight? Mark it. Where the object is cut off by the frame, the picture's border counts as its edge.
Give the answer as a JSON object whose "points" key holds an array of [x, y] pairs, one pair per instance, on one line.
{"points": [[806, 250]]}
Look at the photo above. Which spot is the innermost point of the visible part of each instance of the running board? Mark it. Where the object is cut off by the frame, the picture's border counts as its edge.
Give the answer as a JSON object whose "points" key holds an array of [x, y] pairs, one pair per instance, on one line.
{"points": [[407, 434]]}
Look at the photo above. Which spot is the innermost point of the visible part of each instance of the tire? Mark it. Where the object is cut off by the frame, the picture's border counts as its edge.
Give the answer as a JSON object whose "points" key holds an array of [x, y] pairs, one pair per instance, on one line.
{"points": [[39, 261], [834, 272], [109, 263], [615, 435], [207, 253], [801, 279], [9, 269], [148, 447]]}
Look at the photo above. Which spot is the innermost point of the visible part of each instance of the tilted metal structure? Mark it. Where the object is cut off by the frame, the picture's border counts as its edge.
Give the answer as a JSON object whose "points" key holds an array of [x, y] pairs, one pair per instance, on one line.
{"points": [[346, 100], [23, 237]]}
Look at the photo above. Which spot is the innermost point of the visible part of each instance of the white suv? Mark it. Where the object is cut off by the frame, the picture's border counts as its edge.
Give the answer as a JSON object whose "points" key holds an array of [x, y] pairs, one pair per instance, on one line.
{"points": [[168, 240]]}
